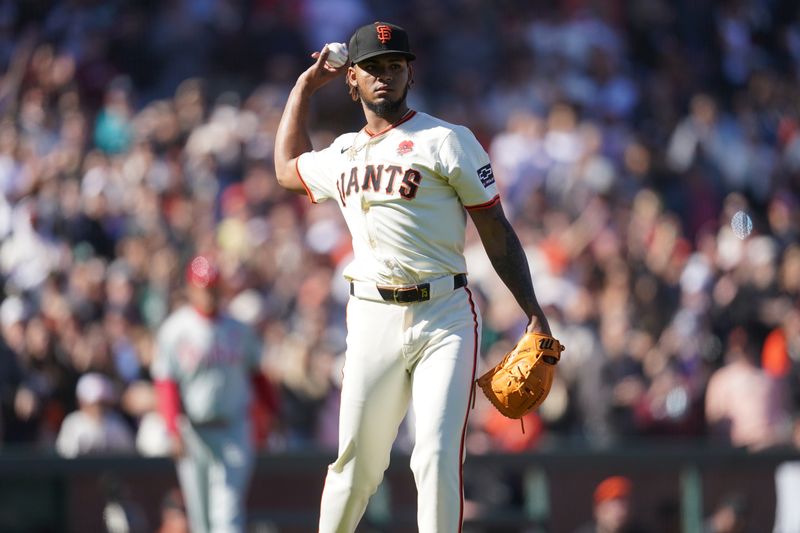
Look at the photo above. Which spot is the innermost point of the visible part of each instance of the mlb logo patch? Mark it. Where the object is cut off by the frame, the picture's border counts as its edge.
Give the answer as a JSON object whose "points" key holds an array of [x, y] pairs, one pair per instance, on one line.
{"points": [[486, 175]]}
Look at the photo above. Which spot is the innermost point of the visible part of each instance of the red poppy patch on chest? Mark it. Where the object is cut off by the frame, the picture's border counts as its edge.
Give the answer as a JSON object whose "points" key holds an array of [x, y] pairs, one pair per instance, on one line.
{"points": [[405, 147]]}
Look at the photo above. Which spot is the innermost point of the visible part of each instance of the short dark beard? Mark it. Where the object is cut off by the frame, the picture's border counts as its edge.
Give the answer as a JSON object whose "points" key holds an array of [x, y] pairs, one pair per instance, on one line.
{"points": [[386, 108]]}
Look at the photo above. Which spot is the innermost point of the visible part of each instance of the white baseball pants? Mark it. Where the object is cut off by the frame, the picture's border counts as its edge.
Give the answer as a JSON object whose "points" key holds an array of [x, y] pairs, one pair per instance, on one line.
{"points": [[424, 353]]}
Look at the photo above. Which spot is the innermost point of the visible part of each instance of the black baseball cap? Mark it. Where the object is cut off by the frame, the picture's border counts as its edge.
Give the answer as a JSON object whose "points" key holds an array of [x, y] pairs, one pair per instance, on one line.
{"points": [[376, 39]]}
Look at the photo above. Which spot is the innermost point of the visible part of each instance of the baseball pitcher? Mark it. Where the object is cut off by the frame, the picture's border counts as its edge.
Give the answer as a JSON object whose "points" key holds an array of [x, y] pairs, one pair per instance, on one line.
{"points": [[404, 183]]}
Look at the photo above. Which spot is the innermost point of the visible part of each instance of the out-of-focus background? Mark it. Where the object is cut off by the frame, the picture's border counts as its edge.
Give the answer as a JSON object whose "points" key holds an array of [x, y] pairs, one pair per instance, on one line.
{"points": [[624, 135]]}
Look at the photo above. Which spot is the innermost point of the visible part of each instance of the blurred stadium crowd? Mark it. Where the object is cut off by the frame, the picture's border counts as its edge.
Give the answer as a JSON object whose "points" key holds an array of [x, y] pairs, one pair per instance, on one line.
{"points": [[624, 136]]}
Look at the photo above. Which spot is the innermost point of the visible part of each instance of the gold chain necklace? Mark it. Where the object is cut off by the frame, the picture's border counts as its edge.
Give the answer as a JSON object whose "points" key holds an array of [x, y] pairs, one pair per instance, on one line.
{"points": [[353, 151]]}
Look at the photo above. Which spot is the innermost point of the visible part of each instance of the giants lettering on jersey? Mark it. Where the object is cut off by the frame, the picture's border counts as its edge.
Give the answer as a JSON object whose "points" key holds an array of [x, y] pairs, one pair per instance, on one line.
{"points": [[388, 179]]}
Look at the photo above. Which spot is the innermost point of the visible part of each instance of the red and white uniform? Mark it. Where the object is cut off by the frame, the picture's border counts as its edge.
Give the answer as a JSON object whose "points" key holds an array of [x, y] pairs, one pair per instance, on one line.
{"points": [[209, 361], [403, 193]]}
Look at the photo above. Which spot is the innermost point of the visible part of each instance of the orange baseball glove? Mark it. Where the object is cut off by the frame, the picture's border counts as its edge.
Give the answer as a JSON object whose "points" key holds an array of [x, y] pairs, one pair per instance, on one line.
{"points": [[521, 381]]}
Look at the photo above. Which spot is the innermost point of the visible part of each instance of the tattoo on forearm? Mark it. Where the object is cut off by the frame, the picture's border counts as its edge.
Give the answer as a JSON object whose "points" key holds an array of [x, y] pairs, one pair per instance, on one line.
{"points": [[512, 267]]}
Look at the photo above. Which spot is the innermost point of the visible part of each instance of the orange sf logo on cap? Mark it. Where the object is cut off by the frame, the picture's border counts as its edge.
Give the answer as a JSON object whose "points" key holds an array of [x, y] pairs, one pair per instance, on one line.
{"points": [[384, 33]]}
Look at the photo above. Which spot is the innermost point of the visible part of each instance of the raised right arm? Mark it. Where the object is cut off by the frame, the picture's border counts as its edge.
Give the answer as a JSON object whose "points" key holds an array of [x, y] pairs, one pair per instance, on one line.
{"points": [[292, 138]]}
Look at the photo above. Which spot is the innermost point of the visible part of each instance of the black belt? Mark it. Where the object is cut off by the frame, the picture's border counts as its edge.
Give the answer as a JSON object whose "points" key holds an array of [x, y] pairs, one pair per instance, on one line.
{"points": [[413, 293]]}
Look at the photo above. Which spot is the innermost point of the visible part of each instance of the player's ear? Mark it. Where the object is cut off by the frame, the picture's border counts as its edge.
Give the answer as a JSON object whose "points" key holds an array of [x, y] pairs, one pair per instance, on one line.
{"points": [[352, 83], [410, 75]]}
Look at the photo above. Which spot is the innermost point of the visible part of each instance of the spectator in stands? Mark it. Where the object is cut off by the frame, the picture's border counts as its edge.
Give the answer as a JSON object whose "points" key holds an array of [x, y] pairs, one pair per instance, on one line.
{"points": [[19, 405], [612, 507], [780, 354], [729, 516], [755, 420], [95, 427], [173, 513]]}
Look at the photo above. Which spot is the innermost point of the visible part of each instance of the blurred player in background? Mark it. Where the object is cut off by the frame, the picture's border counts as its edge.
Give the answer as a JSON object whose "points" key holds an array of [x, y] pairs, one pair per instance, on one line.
{"points": [[206, 364], [404, 184]]}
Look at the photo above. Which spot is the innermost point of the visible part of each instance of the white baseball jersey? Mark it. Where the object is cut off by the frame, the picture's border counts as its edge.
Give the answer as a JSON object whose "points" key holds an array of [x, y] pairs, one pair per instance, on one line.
{"points": [[211, 359], [403, 192]]}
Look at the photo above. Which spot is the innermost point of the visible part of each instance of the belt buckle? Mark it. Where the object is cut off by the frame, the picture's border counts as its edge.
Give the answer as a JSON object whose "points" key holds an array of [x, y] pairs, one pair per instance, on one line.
{"points": [[421, 293], [397, 291]]}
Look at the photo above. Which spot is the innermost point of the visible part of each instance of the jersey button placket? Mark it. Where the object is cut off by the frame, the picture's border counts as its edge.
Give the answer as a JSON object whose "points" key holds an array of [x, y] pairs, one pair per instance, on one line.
{"points": [[367, 227]]}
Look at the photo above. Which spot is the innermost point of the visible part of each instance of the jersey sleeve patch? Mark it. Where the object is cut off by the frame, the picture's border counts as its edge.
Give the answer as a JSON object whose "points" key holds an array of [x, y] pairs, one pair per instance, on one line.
{"points": [[486, 175]]}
